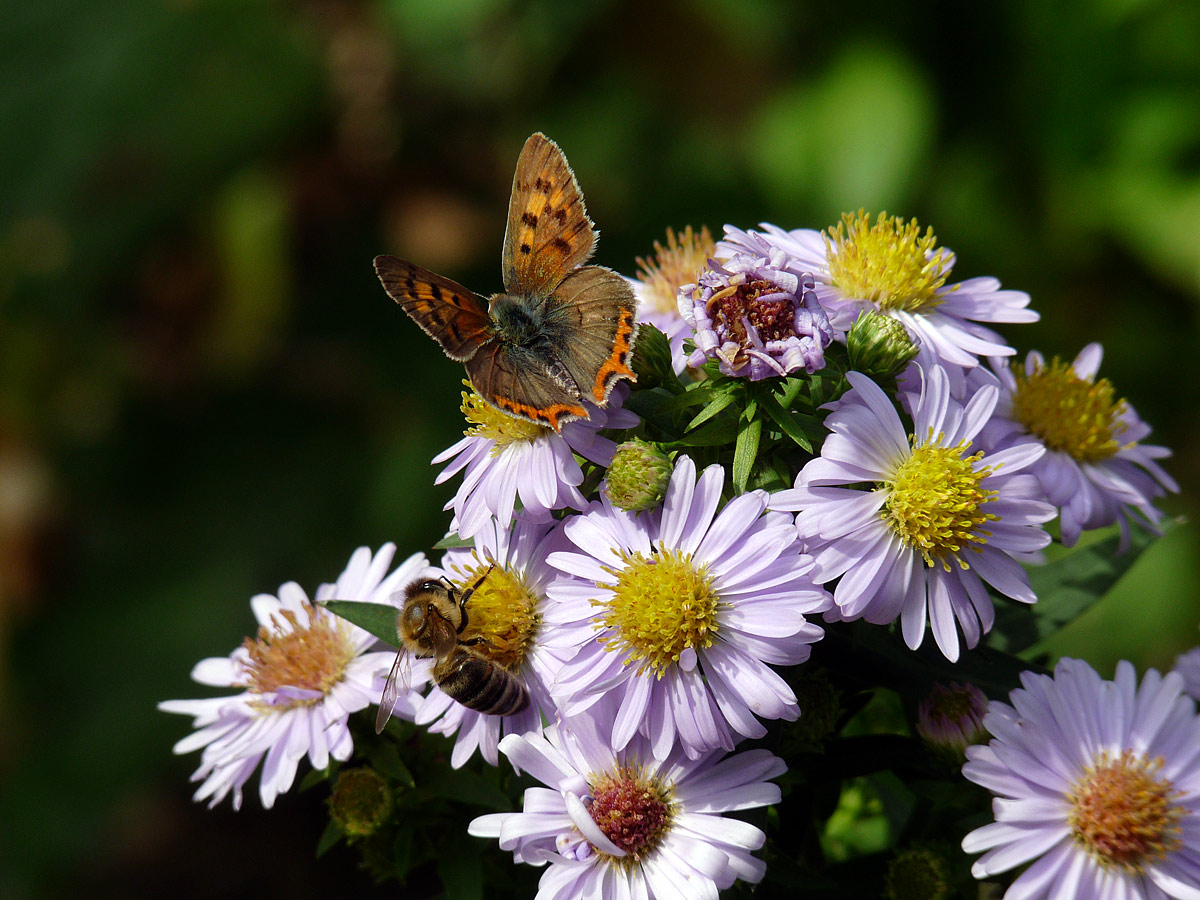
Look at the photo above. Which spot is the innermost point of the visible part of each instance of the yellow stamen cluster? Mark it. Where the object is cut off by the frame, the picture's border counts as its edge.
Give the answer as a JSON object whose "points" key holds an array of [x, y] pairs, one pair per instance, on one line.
{"points": [[1067, 413], [934, 502], [1124, 814], [889, 263], [488, 422], [503, 613], [313, 655], [633, 809], [673, 266], [662, 605]]}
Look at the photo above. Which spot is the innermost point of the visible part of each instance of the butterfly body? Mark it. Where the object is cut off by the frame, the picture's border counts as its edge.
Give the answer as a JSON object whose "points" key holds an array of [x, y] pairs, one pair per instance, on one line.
{"points": [[561, 332]]}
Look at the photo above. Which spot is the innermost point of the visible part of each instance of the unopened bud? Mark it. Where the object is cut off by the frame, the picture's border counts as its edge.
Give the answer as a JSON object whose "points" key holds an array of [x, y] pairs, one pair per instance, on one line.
{"points": [[637, 477], [918, 874], [879, 346], [361, 801], [950, 719], [652, 358]]}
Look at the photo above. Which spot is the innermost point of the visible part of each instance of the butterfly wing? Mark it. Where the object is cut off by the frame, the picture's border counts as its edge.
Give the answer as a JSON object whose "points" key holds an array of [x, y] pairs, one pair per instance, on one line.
{"points": [[446, 311], [518, 382], [549, 232], [590, 320]]}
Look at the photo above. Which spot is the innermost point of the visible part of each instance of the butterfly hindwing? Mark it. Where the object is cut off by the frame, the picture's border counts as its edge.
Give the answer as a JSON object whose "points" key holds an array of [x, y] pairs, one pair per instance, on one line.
{"points": [[549, 232], [449, 313], [590, 320], [515, 381]]}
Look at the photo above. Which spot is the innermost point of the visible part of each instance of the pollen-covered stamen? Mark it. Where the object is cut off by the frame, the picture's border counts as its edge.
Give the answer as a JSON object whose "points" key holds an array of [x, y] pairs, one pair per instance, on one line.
{"points": [[673, 266], [767, 308], [889, 263], [502, 613], [1124, 813], [935, 504], [1074, 415], [633, 809], [662, 605], [488, 422], [313, 655]]}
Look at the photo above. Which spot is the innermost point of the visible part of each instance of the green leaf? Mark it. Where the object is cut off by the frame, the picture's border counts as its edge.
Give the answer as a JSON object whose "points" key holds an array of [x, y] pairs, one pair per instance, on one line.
{"points": [[1065, 588], [786, 421], [378, 619], [386, 760], [329, 838], [452, 541], [720, 402], [712, 434], [461, 871], [469, 787], [746, 450]]}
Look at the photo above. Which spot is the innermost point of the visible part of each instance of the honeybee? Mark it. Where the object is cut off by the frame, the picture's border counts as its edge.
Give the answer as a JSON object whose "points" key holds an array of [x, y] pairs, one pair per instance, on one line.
{"points": [[429, 624]]}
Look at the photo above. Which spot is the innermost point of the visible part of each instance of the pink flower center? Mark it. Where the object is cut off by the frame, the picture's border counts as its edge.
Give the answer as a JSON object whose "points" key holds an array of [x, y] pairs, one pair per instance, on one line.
{"points": [[633, 810], [731, 308]]}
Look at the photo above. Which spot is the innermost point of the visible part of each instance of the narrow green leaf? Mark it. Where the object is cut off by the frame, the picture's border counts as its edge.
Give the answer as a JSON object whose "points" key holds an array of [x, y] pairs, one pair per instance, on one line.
{"points": [[745, 452], [452, 541], [784, 419], [329, 838], [720, 402], [1065, 588], [695, 396], [378, 619], [711, 434]]}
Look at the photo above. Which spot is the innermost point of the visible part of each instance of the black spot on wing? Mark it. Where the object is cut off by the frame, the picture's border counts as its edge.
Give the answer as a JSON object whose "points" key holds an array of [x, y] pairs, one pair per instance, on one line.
{"points": [[529, 219]]}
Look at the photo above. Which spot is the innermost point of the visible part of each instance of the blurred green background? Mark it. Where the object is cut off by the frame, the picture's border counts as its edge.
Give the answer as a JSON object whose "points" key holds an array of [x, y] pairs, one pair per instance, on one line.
{"points": [[204, 392]]}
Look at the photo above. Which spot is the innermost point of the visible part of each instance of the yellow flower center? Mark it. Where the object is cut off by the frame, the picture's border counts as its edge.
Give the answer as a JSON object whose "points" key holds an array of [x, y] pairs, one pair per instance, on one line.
{"points": [[488, 422], [662, 605], [673, 266], [934, 502], [1067, 413], [1124, 814], [889, 263], [313, 656], [633, 809], [503, 612]]}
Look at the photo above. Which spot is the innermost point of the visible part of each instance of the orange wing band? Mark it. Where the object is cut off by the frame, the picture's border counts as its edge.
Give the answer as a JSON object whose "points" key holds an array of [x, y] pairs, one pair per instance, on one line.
{"points": [[616, 366]]}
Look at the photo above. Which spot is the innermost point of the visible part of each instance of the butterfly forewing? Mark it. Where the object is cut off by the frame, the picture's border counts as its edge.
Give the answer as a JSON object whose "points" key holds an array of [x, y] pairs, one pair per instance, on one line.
{"points": [[449, 313], [523, 386], [591, 323], [549, 232]]}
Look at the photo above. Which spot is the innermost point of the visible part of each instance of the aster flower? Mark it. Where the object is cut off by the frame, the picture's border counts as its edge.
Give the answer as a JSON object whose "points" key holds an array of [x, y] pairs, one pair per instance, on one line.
{"points": [[620, 824], [1096, 468], [509, 611], [890, 266], [950, 718], [1096, 786], [941, 524], [659, 280], [503, 458], [678, 614], [1188, 667], [302, 676], [755, 312]]}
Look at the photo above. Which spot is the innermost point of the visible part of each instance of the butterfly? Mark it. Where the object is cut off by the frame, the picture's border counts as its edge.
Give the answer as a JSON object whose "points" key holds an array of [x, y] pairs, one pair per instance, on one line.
{"points": [[561, 333]]}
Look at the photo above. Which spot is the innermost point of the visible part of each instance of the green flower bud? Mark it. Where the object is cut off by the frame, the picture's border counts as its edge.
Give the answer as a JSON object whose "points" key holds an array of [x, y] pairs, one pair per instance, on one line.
{"points": [[361, 801], [652, 358], [879, 346], [637, 477], [918, 874]]}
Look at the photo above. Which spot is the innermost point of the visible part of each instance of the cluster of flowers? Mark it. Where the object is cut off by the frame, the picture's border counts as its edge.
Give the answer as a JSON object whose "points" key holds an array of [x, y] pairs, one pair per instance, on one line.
{"points": [[648, 616]]}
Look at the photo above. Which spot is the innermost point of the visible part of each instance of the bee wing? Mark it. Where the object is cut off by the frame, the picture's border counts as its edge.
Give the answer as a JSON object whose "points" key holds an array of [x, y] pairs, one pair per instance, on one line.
{"points": [[399, 681]]}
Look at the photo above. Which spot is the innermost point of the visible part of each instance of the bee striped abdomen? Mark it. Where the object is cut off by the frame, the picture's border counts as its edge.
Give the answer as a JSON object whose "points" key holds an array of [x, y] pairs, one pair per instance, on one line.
{"points": [[482, 685]]}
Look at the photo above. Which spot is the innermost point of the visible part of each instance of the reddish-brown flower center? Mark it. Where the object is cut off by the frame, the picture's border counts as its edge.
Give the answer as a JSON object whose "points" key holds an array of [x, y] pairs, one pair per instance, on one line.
{"points": [[633, 810], [1124, 814], [731, 308]]}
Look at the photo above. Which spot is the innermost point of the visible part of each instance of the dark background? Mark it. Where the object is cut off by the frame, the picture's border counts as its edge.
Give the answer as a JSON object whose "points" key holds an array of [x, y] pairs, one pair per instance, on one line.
{"points": [[204, 392]]}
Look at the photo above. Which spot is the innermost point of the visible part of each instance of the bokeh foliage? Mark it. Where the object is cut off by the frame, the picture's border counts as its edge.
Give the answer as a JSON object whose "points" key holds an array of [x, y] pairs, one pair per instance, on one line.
{"points": [[204, 393]]}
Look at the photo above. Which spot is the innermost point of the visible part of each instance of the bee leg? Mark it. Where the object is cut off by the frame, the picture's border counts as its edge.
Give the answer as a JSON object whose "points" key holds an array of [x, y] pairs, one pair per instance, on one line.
{"points": [[466, 595]]}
